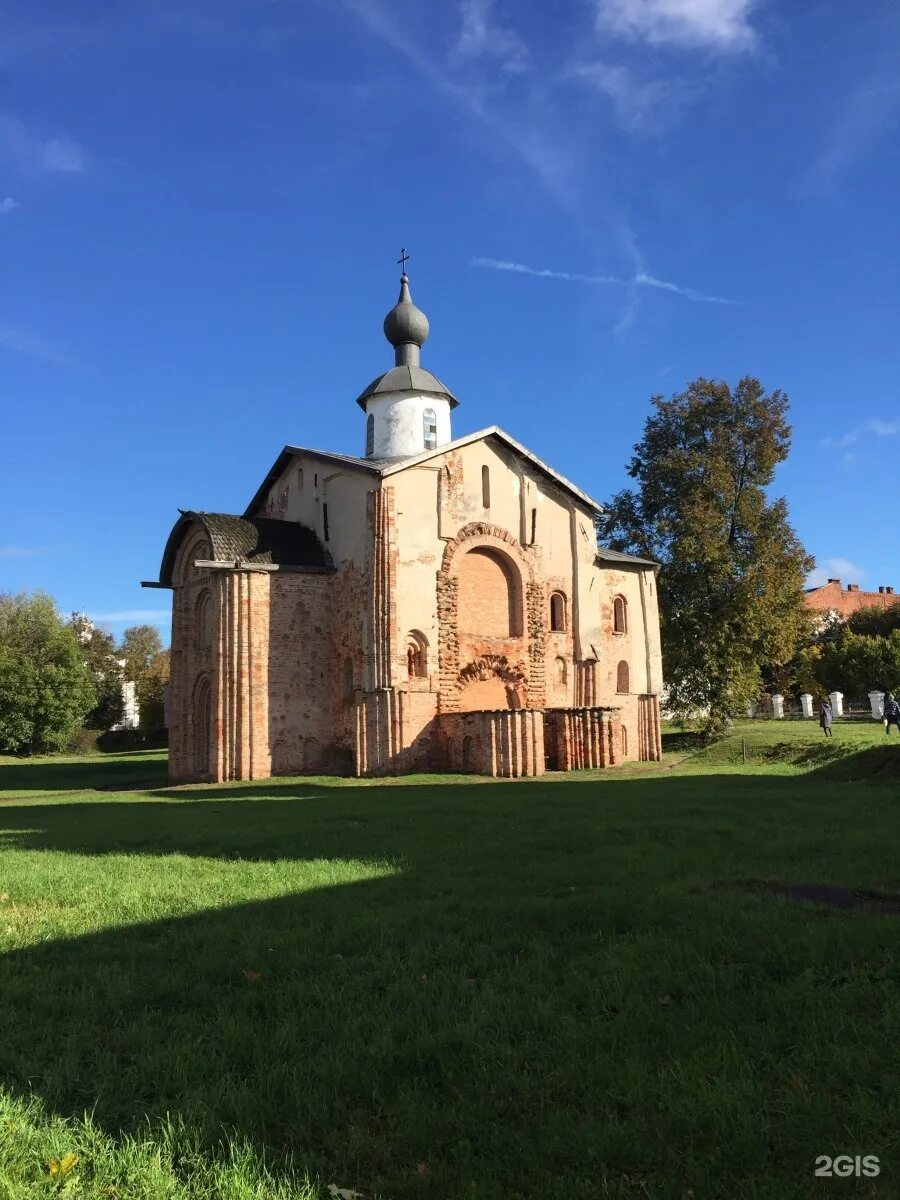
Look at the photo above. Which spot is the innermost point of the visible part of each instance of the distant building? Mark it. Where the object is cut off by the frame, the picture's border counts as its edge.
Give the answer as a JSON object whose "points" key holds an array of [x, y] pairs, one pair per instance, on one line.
{"points": [[835, 602]]}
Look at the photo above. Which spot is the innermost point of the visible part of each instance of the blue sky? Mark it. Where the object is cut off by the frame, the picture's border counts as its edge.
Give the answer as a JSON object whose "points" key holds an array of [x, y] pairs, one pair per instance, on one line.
{"points": [[201, 206]]}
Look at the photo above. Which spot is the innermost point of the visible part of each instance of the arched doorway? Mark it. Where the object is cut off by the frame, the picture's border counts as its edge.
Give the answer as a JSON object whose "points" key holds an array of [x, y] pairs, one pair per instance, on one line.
{"points": [[201, 724], [492, 682]]}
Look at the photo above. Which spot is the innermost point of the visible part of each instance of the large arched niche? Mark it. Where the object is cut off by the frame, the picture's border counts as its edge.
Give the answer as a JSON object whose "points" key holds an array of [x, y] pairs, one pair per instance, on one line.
{"points": [[490, 595], [491, 570]]}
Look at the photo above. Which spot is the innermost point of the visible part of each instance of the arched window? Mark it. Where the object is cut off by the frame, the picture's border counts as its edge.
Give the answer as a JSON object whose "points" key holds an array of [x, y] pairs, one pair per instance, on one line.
{"points": [[558, 612], [429, 421], [370, 436], [416, 655], [485, 487], [624, 742], [299, 479], [347, 680], [203, 620], [622, 677], [620, 615], [561, 672]]}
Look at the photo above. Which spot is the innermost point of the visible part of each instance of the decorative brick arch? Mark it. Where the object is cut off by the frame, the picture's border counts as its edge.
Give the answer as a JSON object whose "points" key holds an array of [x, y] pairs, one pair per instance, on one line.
{"points": [[497, 666], [481, 535]]}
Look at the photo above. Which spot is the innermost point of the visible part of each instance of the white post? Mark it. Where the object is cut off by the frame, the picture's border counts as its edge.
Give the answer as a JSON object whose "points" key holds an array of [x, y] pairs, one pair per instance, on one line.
{"points": [[806, 703], [876, 699], [837, 704], [778, 707]]}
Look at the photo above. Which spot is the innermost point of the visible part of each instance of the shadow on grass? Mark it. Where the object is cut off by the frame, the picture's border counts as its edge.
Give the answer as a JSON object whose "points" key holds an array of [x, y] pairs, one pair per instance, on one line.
{"points": [[491, 980], [122, 771]]}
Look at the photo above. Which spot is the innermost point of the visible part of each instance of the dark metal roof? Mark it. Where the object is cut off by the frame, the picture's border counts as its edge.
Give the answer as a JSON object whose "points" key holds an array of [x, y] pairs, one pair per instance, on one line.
{"points": [[407, 378], [604, 555], [263, 540]]}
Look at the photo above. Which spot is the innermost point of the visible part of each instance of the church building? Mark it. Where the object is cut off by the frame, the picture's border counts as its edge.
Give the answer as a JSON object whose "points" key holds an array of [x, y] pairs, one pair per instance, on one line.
{"points": [[436, 604]]}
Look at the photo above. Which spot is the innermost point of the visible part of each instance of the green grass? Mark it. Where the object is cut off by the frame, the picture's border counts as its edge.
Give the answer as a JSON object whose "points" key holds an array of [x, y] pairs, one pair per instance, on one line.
{"points": [[451, 988]]}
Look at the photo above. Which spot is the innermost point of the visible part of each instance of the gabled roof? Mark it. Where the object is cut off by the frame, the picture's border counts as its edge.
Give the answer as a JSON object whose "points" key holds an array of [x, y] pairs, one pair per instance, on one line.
{"points": [[616, 556], [494, 431], [383, 467], [248, 540]]}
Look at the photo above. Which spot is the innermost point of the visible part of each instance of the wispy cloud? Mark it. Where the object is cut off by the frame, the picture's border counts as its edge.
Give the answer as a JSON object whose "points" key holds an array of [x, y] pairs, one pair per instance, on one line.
{"points": [[835, 568], [26, 551], [7, 205], [121, 616], [32, 346], [639, 105], [24, 149], [480, 36], [533, 142], [711, 24], [873, 428], [638, 280], [869, 113]]}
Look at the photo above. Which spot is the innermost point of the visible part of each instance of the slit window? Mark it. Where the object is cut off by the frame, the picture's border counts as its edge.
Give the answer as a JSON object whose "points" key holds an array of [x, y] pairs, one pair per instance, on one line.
{"points": [[533, 526], [370, 435], [325, 521], [429, 421], [620, 615], [485, 487], [557, 613]]}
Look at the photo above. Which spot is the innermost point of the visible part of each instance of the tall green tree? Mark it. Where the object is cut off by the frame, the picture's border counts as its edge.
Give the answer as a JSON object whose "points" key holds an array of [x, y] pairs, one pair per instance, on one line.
{"points": [[45, 687], [733, 570], [140, 645], [102, 660], [151, 691]]}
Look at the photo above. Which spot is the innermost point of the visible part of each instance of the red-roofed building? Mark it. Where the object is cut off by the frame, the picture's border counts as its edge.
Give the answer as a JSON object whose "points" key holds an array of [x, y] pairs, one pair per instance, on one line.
{"points": [[830, 597]]}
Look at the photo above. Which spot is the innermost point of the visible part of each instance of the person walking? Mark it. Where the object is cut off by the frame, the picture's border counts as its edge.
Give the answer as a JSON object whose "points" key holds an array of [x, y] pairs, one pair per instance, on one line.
{"points": [[891, 714], [825, 717]]}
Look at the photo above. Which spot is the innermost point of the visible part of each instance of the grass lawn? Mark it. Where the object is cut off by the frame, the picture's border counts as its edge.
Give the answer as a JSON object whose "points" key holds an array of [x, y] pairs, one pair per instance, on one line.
{"points": [[448, 987]]}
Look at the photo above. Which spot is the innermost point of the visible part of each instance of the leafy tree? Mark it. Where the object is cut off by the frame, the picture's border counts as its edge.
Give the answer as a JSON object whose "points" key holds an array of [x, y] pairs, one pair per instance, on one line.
{"points": [[151, 691], [874, 620], [140, 645], [102, 660], [45, 687], [733, 570], [857, 663]]}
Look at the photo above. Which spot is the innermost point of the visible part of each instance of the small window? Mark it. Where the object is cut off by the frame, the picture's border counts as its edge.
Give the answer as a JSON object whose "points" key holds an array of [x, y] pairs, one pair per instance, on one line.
{"points": [[416, 655], [557, 612], [299, 479], [347, 679], [325, 521], [533, 525], [370, 435], [485, 487], [622, 685], [561, 672], [624, 742], [429, 421], [620, 615]]}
